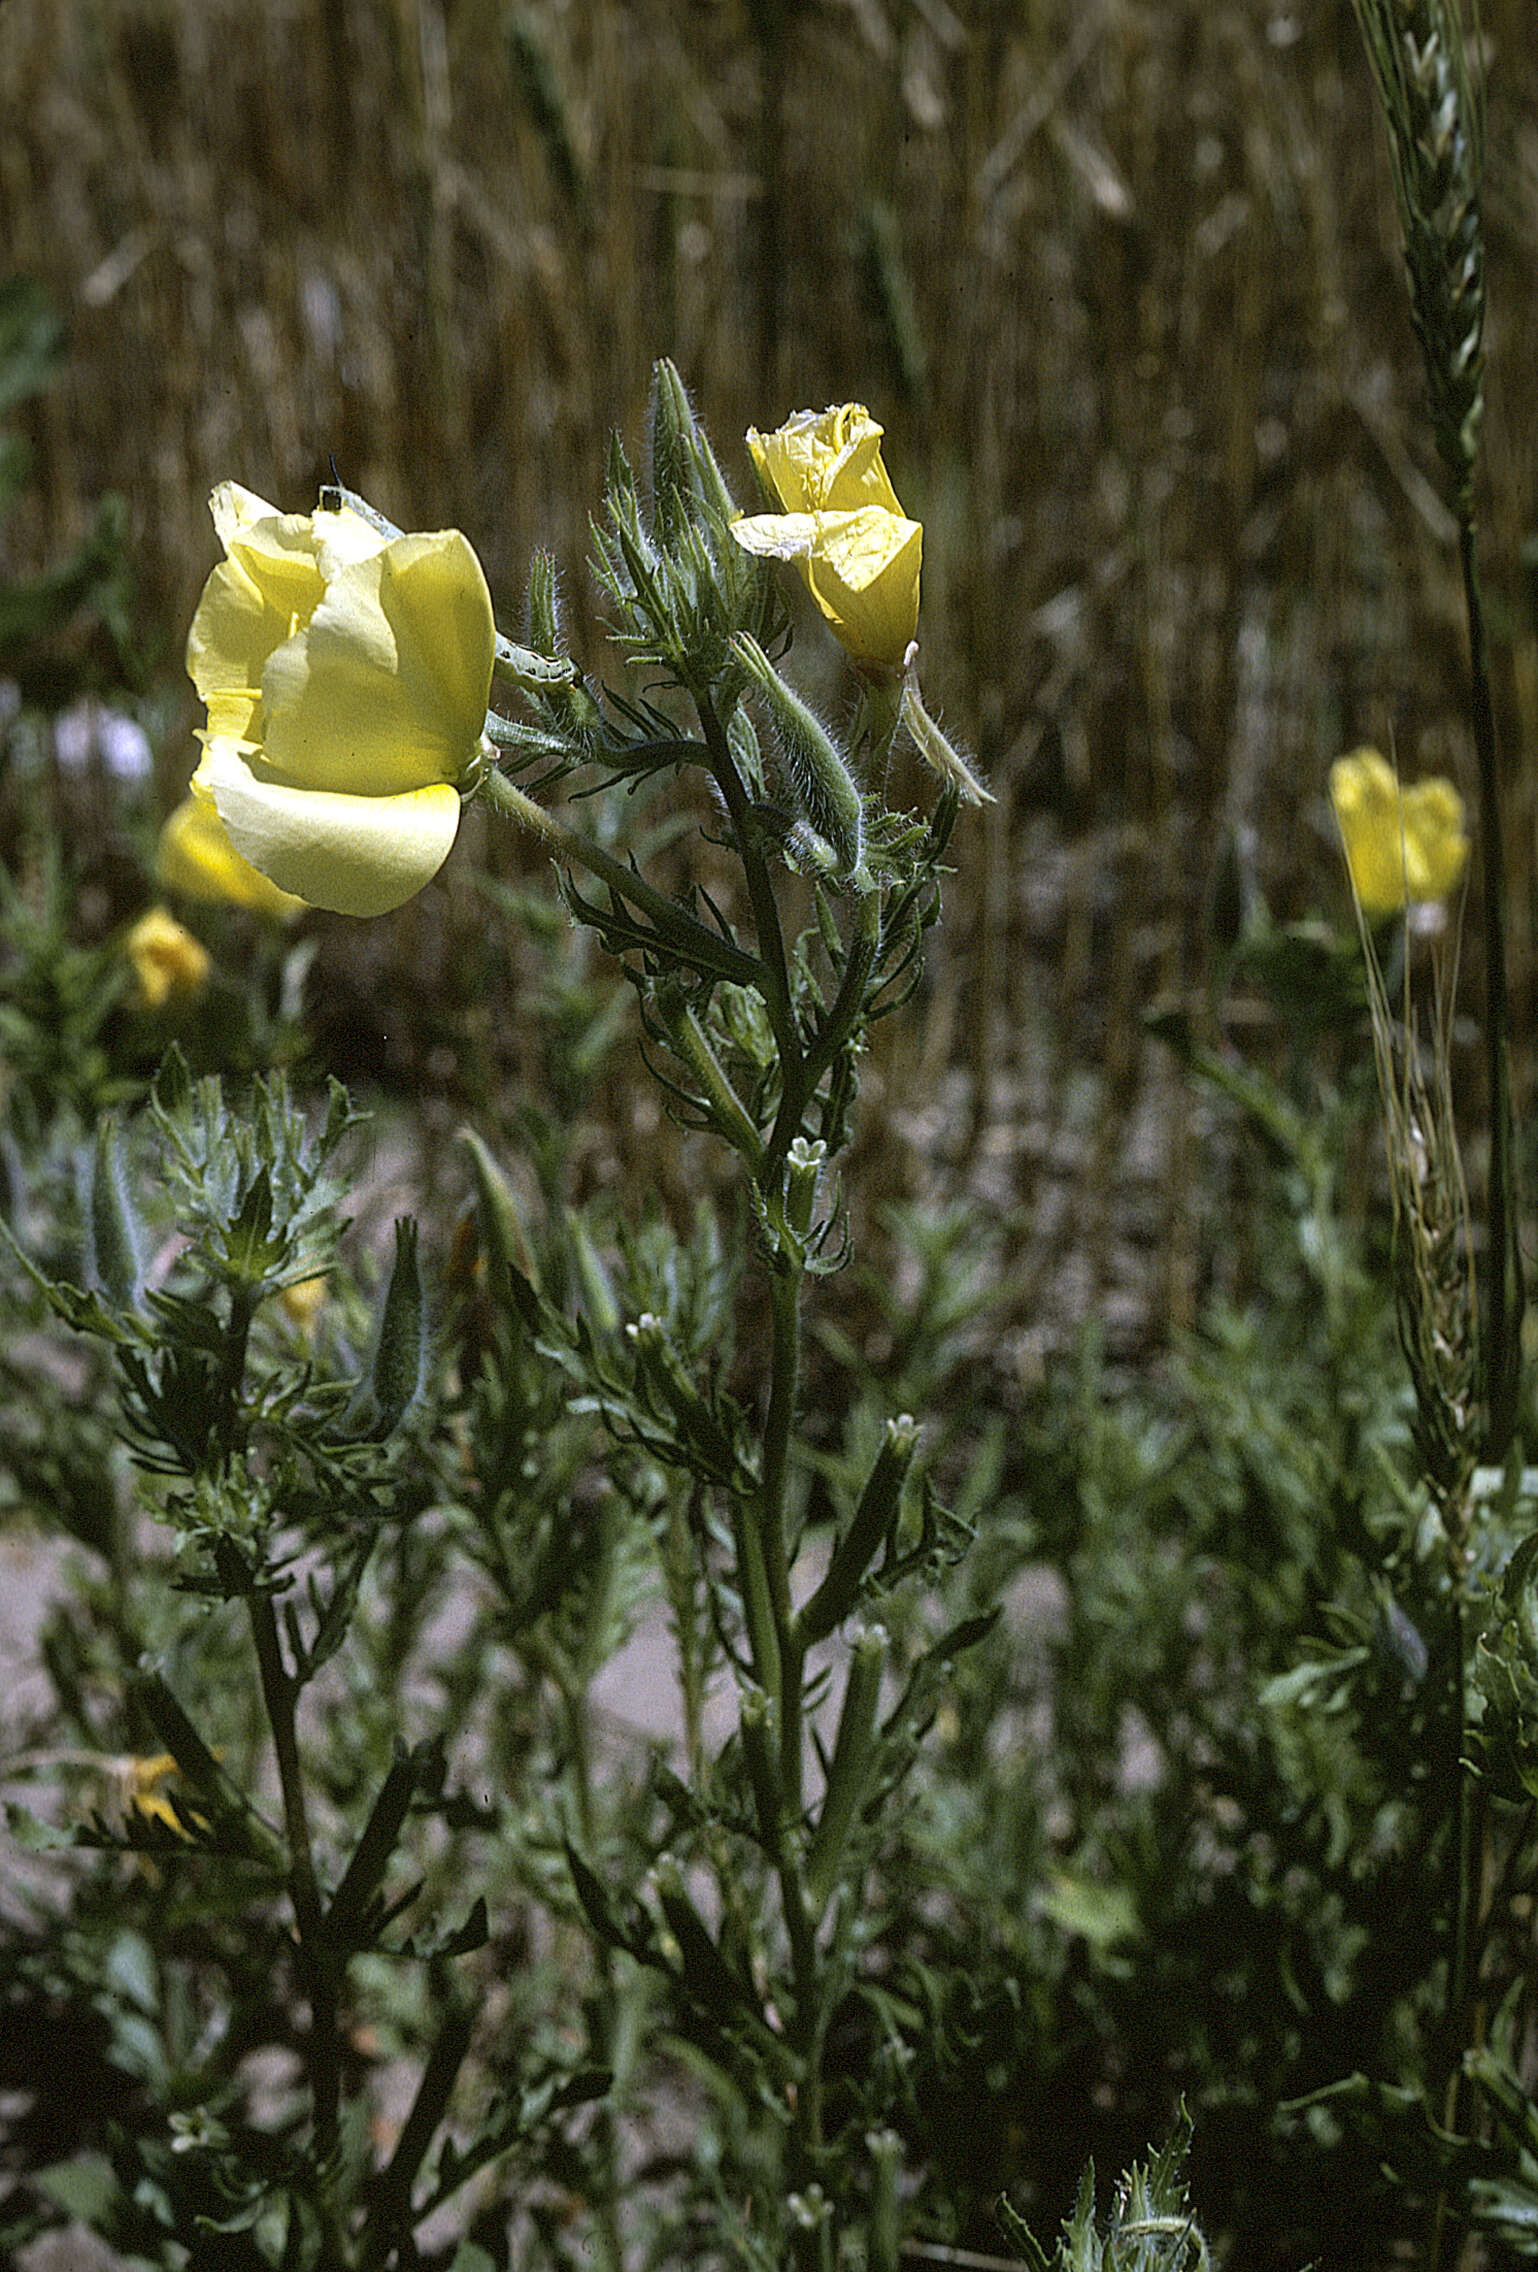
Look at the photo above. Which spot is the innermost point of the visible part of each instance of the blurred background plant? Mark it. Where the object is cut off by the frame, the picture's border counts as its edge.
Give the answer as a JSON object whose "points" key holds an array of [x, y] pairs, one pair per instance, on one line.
{"points": [[1124, 286]]}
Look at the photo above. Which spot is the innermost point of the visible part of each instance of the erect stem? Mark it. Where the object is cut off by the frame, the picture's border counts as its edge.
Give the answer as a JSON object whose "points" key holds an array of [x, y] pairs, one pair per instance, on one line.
{"points": [[779, 1421], [773, 973], [1503, 1274], [316, 1958]]}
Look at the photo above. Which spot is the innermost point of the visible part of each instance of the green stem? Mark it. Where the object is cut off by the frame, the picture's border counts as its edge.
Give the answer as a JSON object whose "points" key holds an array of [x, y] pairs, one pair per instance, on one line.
{"points": [[672, 921], [779, 1422], [316, 1958], [1503, 1276], [773, 970]]}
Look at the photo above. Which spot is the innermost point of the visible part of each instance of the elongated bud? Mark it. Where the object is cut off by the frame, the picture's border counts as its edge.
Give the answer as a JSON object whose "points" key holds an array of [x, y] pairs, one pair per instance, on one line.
{"points": [[759, 1723], [672, 422], [849, 1771], [691, 1045], [803, 1172], [869, 1529], [820, 778], [681, 448], [663, 1379], [564, 692], [502, 1231], [885, 2150], [937, 750], [115, 1237], [595, 1288], [705, 1969], [398, 1374]]}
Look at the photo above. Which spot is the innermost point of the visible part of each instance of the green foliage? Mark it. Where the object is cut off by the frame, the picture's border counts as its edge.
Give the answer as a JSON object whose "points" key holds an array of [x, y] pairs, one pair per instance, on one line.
{"points": [[1024, 1768], [1150, 2229]]}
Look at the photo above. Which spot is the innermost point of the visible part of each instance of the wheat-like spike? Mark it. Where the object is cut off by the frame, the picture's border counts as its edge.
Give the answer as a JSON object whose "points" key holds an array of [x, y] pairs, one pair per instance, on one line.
{"points": [[1419, 56], [1434, 1282]]}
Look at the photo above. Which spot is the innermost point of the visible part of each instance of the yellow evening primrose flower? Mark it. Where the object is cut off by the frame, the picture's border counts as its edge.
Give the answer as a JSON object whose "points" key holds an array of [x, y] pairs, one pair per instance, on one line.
{"points": [[842, 526], [168, 962], [1401, 845], [195, 857], [346, 675]]}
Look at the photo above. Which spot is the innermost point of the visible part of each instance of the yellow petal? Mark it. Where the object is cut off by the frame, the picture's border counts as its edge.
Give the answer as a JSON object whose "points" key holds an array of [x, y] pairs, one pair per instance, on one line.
{"points": [[824, 461], [195, 856], [864, 575], [385, 689], [357, 855], [239, 623]]}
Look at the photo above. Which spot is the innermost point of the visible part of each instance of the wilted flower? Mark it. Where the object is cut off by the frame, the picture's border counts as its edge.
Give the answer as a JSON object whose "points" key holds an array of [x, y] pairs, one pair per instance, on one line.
{"points": [[346, 675], [841, 524], [169, 963], [1402, 845], [141, 1785], [195, 856]]}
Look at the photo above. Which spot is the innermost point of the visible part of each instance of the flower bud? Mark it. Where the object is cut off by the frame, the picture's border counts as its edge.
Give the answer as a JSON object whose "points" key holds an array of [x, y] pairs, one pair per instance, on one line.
{"points": [[820, 778]]}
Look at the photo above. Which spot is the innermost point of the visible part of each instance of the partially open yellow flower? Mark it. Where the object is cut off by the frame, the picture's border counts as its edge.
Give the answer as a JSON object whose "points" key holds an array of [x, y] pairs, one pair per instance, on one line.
{"points": [[346, 676], [169, 963], [842, 526], [1401, 845], [195, 856]]}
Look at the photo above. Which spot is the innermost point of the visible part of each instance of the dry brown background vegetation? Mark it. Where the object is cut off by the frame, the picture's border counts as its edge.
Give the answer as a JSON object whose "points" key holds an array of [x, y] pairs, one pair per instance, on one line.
{"points": [[1121, 279]]}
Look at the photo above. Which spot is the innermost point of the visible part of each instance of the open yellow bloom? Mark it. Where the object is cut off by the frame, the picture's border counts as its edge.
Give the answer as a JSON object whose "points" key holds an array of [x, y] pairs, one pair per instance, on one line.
{"points": [[195, 856], [842, 526], [346, 676], [169, 963], [1401, 844]]}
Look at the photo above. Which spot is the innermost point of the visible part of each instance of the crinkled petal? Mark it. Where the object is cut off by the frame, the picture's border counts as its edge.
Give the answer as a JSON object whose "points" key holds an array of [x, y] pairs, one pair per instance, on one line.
{"points": [[195, 857], [357, 855], [825, 461], [385, 689]]}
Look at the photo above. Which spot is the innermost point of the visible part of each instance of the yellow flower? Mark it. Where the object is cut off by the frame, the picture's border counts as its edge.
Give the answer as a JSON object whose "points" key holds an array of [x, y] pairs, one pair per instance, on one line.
{"points": [[346, 676], [1401, 844], [195, 856], [169, 963], [841, 524]]}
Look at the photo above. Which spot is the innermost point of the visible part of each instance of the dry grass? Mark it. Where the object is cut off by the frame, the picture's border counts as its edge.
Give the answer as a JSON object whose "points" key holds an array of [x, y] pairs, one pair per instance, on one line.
{"points": [[1121, 277]]}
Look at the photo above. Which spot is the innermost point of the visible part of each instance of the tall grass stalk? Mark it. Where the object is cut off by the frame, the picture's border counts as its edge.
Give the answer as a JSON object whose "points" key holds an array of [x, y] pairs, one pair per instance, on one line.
{"points": [[1419, 54]]}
